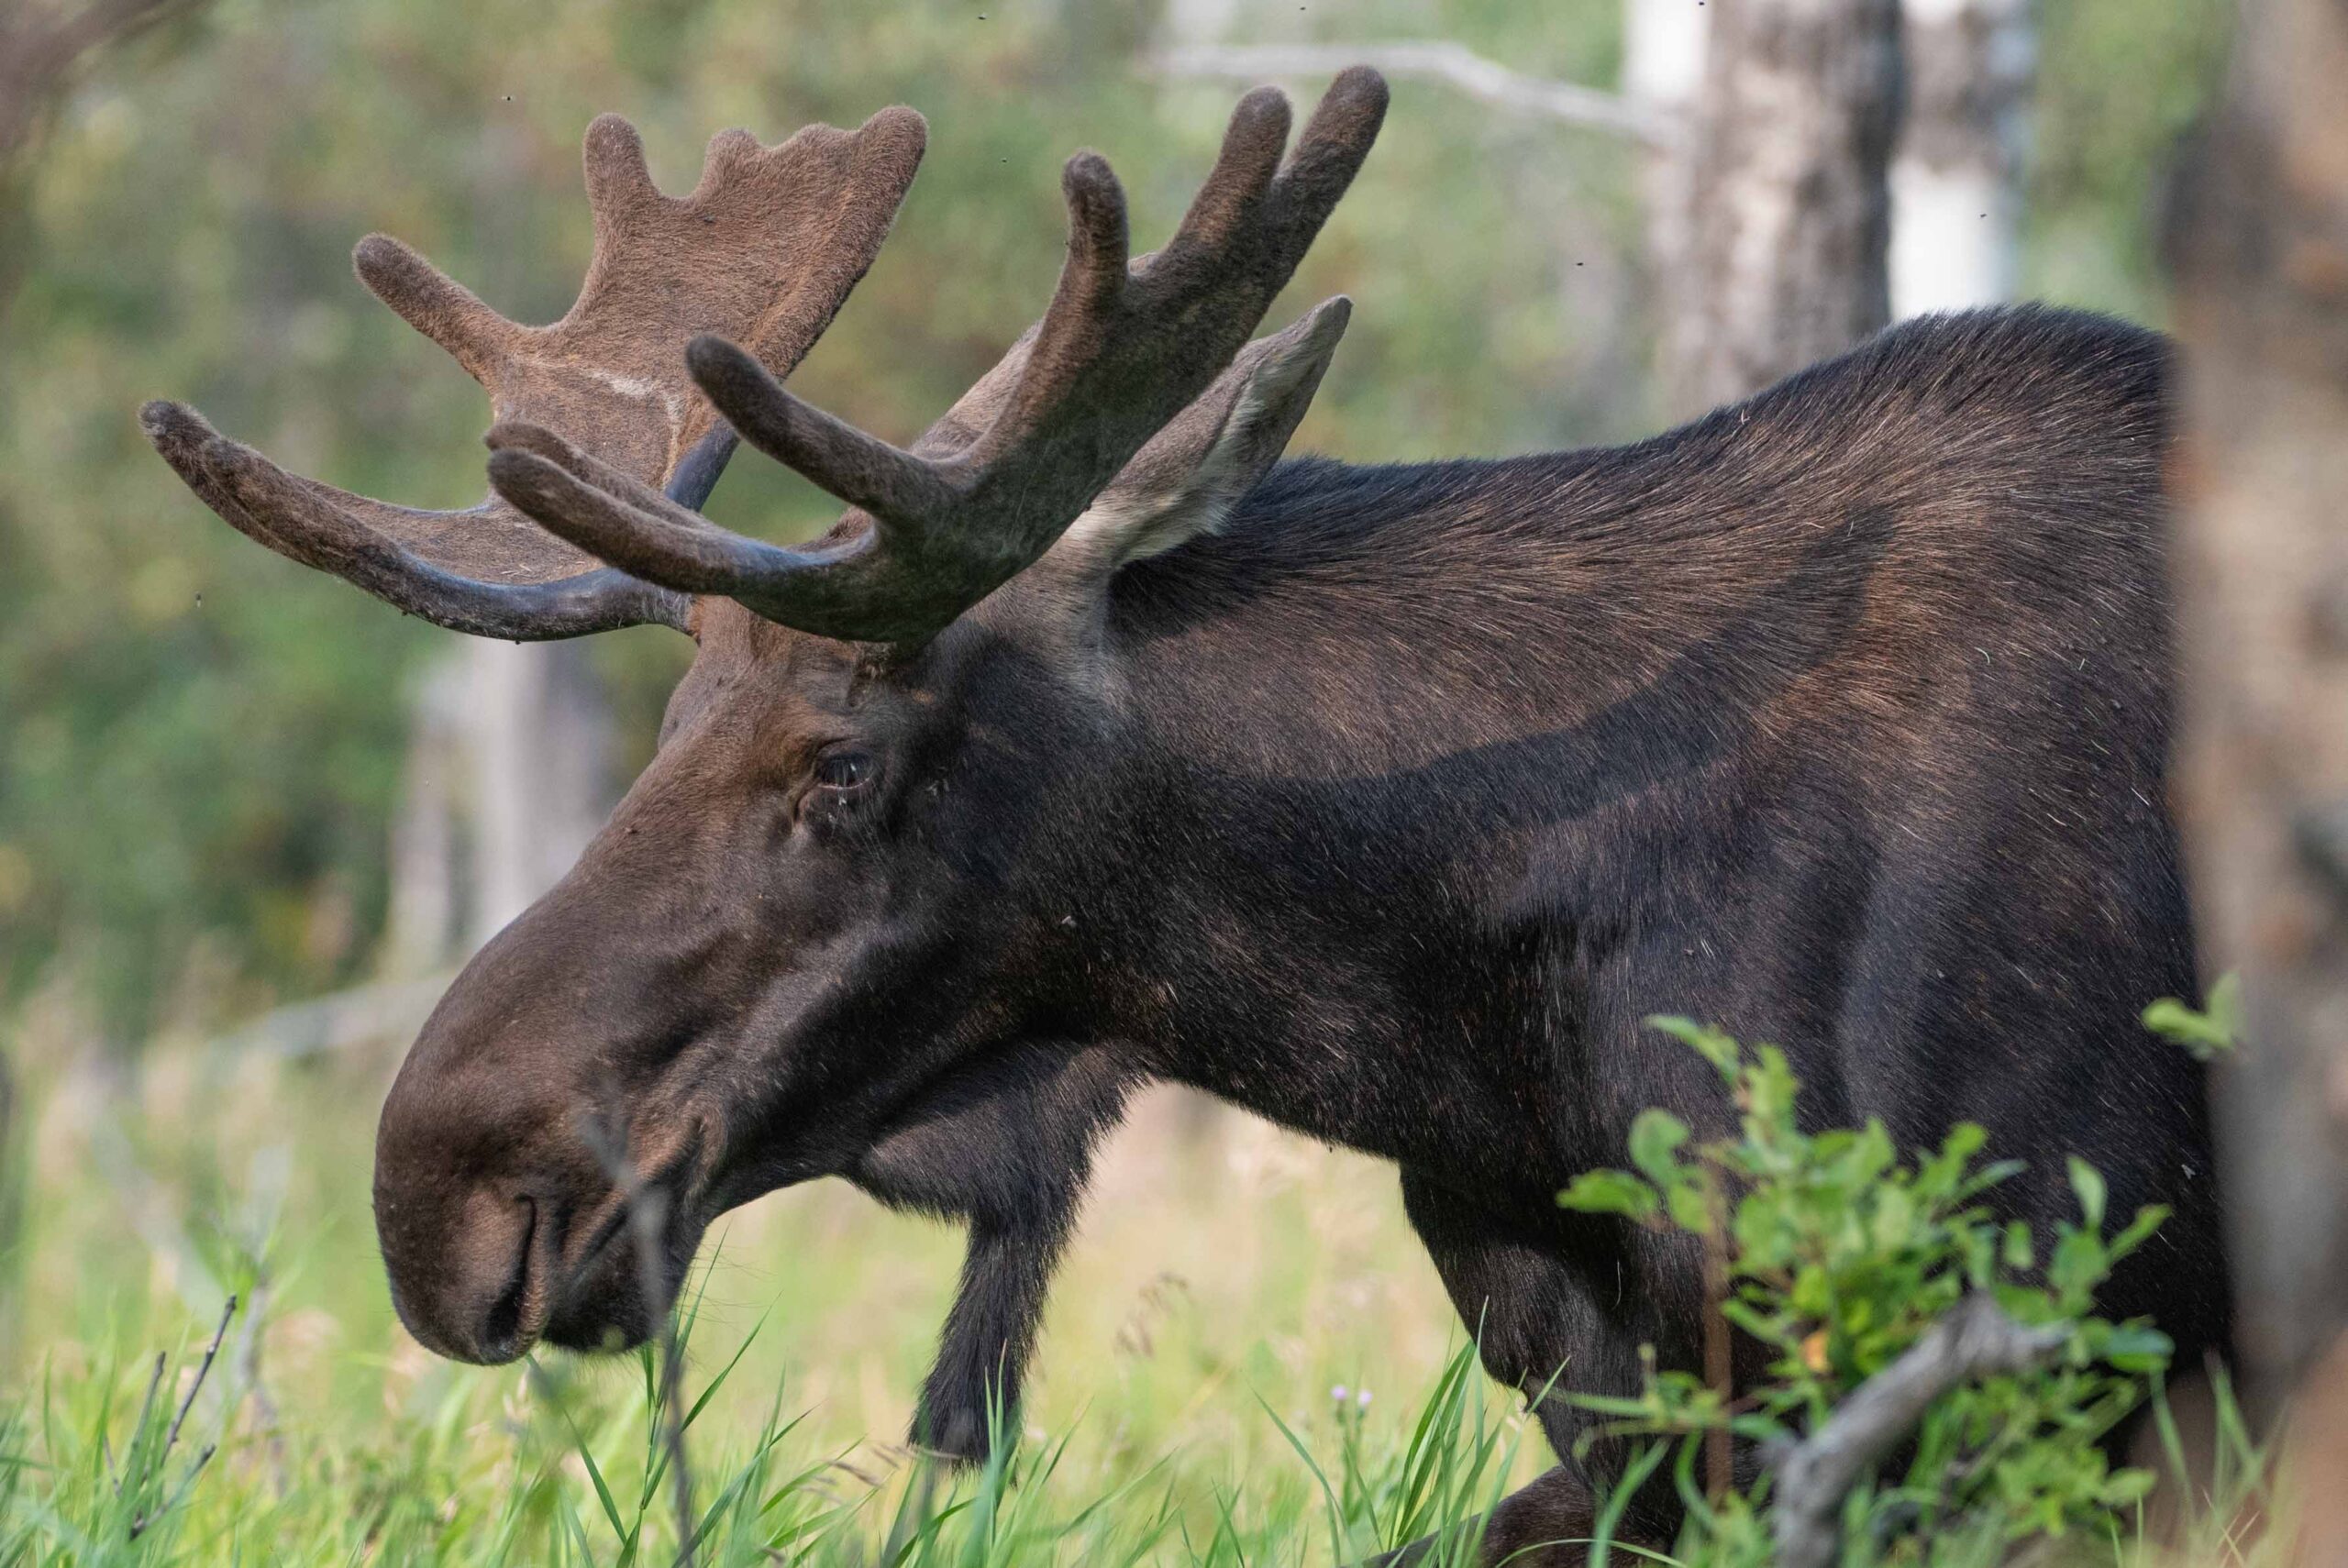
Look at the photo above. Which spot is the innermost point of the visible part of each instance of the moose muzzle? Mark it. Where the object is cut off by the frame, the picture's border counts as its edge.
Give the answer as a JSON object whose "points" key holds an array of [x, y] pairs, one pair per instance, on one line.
{"points": [[519, 1157]]}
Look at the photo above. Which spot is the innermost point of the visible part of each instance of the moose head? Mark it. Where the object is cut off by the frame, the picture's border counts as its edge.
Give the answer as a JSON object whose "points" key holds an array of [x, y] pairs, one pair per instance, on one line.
{"points": [[849, 911]]}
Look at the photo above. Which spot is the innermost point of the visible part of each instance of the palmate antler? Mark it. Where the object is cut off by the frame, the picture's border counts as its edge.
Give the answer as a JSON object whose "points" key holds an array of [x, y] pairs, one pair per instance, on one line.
{"points": [[1121, 351], [764, 249]]}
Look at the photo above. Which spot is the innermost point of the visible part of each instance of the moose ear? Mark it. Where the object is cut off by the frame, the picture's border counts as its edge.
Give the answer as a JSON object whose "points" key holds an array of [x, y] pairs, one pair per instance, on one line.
{"points": [[1186, 480]]}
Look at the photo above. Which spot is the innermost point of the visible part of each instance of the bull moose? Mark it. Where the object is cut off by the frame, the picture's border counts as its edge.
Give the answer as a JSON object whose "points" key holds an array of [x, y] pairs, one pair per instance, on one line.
{"points": [[1096, 744]]}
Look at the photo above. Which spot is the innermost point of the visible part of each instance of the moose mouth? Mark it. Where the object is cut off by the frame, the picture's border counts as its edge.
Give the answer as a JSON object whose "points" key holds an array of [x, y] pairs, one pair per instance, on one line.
{"points": [[637, 1251], [611, 1295]]}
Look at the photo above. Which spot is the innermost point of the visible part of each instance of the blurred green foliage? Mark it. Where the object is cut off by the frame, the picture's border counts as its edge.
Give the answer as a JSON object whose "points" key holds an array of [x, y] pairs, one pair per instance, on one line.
{"points": [[203, 742]]}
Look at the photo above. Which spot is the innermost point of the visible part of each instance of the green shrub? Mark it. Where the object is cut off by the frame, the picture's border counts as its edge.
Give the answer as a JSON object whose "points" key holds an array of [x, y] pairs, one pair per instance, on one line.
{"points": [[1838, 1256]]}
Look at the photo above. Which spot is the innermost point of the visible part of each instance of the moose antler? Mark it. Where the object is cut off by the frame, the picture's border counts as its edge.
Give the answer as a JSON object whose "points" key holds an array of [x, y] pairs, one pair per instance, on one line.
{"points": [[1121, 351], [766, 248]]}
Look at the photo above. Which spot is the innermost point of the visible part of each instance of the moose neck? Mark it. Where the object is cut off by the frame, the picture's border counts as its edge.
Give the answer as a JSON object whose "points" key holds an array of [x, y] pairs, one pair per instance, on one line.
{"points": [[1411, 742]]}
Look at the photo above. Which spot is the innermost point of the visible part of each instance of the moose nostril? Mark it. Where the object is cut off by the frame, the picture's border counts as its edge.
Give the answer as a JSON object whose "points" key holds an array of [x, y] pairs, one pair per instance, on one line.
{"points": [[501, 1331]]}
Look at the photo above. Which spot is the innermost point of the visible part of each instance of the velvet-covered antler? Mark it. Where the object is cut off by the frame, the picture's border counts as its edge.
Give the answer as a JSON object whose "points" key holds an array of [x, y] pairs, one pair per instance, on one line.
{"points": [[1120, 353], [764, 249]]}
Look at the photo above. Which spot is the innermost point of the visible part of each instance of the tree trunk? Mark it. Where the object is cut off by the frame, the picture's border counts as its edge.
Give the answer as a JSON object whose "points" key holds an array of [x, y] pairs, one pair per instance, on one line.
{"points": [[1788, 207], [1663, 75], [2261, 240], [539, 737], [1956, 181], [508, 777], [426, 921]]}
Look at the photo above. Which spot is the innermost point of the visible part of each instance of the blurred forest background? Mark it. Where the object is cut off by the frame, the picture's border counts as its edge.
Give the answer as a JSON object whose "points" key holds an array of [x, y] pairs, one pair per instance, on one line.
{"points": [[230, 785], [208, 750]]}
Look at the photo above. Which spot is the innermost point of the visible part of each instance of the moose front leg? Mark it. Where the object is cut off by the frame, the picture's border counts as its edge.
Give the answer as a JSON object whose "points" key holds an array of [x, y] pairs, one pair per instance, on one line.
{"points": [[1005, 1146], [1549, 1316], [973, 1387]]}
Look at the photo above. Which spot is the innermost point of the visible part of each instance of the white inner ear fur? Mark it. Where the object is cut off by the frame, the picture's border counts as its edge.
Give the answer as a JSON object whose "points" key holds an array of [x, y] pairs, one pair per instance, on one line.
{"points": [[1133, 527], [1120, 528]]}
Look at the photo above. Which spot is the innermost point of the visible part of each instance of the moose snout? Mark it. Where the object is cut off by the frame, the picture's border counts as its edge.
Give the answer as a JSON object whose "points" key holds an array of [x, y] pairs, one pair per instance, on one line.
{"points": [[530, 1125], [470, 1209], [471, 1279], [510, 1218]]}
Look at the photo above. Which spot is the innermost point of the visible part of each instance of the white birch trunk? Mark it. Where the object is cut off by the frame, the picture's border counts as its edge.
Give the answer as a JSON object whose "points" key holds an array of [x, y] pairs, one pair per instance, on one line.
{"points": [[1956, 178], [1663, 72], [1789, 212], [423, 927], [540, 743]]}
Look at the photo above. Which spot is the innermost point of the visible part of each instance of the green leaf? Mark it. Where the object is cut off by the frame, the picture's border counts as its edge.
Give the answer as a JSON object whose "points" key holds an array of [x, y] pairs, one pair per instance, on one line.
{"points": [[1895, 1218], [1691, 1207], [1963, 1141], [2017, 1254], [1655, 1138], [1812, 1292], [1767, 1329], [1710, 1044], [595, 1476], [2207, 1033], [1770, 1088], [1940, 1174], [1871, 1154], [2148, 1220], [2138, 1348], [2088, 1184], [1984, 1179], [1612, 1192], [2077, 1266]]}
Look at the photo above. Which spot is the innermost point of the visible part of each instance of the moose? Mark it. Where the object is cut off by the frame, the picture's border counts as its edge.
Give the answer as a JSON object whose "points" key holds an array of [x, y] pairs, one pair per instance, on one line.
{"points": [[1098, 744]]}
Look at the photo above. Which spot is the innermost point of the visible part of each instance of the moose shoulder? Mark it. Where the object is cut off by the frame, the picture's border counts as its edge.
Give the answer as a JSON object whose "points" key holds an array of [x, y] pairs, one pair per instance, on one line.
{"points": [[1097, 745]]}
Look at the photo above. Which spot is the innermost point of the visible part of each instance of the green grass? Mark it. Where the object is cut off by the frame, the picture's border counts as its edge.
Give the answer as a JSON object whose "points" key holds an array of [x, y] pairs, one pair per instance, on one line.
{"points": [[577, 1471], [1226, 1280], [1198, 1399]]}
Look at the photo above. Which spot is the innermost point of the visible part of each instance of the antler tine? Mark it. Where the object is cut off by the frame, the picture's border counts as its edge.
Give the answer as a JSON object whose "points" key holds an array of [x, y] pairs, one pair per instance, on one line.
{"points": [[863, 470], [433, 303], [1329, 154], [309, 524], [643, 531], [766, 246], [1244, 170], [630, 524], [618, 178], [1122, 349]]}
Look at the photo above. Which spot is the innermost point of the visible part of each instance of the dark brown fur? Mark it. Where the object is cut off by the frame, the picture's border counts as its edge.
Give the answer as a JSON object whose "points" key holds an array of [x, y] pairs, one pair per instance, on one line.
{"points": [[1387, 806]]}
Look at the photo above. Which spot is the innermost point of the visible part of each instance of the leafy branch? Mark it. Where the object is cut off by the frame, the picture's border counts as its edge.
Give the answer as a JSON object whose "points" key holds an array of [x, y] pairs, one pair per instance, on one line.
{"points": [[1895, 1306]]}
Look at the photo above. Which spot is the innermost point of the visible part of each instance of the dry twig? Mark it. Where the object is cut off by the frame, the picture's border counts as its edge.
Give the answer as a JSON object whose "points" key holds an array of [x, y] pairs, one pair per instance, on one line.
{"points": [[1437, 60], [1976, 1339], [648, 1217], [139, 1525]]}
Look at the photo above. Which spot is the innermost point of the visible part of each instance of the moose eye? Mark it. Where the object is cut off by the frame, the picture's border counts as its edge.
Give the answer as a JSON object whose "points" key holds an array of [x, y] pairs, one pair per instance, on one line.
{"points": [[844, 772]]}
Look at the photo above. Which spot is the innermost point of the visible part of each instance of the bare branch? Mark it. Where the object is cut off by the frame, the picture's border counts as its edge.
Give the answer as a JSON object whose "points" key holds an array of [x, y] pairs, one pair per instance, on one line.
{"points": [[1976, 1339], [147, 1518], [361, 1015], [211, 1352], [1433, 59], [41, 48]]}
